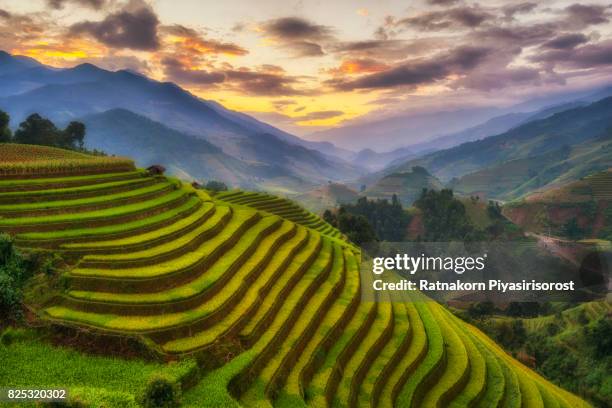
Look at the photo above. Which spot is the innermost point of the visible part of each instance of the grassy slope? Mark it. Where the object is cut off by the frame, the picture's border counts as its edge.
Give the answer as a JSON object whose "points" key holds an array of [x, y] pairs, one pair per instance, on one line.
{"points": [[30, 362], [515, 178], [585, 200], [271, 304], [532, 139], [407, 185]]}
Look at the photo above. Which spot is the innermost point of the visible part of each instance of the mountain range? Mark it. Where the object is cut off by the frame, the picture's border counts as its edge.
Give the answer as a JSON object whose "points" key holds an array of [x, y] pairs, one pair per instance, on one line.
{"points": [[119, 105], [421, 132], [559, 148]]}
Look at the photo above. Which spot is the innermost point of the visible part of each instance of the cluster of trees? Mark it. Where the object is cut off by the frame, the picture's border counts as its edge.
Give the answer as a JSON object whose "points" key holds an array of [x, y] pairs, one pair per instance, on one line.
{"points": [[387, 220], [576, 357], [215, 185], [356, 227], [14, 271], [514, 309], [445, 218], [38, 130]]}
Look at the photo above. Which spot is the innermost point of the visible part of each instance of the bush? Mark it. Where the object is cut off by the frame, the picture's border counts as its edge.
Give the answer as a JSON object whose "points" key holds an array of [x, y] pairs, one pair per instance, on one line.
{"points": [[12, 335], [600, 337], [161, 391], [13, 274], [214, 185]]}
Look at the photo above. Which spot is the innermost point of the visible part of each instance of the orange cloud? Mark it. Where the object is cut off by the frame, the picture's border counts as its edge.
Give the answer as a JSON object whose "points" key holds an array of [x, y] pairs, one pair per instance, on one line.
{"points": [[359, 66], [192, 41], [61, 53]]}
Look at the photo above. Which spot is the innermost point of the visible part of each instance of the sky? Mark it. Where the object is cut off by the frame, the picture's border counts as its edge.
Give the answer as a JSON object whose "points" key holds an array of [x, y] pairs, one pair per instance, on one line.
{"points": [[307, 65]]}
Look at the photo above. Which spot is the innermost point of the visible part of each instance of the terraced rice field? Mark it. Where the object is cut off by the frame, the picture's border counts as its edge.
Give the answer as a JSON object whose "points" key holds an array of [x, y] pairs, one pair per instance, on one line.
{"points": [[281, 207], [18, 160], [267, 296]]}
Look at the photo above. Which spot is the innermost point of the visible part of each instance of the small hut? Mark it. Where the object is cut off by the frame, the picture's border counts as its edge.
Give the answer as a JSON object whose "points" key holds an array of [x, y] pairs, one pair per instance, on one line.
{"points": [[156, 170]]}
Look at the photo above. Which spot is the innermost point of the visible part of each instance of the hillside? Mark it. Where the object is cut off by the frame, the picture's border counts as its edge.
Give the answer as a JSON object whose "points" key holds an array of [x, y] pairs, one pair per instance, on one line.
{"points": [[149, 142], [327, 196], [562, 342], [406, 185], [552, 211], [535, 139], [271, 308], [515, 178], [84, 91]]}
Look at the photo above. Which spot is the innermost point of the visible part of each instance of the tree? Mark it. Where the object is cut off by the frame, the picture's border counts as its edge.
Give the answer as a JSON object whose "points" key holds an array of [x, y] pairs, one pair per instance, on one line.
{"points": [[214, 185], [5, 131], [41, 131], [388, 219], [330, 218], [444, 217], [74, 135], [356, 227], [600, 337], [572, 230], [37, 130], [14, 272]]}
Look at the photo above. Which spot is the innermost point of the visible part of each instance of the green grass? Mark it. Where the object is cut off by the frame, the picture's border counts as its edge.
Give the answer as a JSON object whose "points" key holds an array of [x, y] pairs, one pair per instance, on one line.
{"points": [[435, 354], [338, 313], [205, 280], [255, 282], [88, 189], [281, 207], [32, 363], [133, 227], [147, 323], [409, 360], [47, 183], [252, 296], [368, 349], [476, 383], [457, 363], [218, 219], [384, 359], [105, 214], [233, 229], [304, 327], [101, 199], [202, 213], [278, 291]]}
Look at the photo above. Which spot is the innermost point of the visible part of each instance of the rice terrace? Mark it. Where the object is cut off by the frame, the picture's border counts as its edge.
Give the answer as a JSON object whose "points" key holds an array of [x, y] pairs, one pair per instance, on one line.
{"points": [[229, 299]]}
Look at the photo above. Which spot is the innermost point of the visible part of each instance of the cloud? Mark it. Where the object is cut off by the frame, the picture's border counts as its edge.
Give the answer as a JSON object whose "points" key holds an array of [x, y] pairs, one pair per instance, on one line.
{"points": [[586, 56], [192, 41], [359, 66], [262, 83], [134, 27], [521, 8], [515, 35], [305, 49], [566, 41], [488, 80], [389, 50], [418, 72], [300, 37], [280, 104], [458, 17], [318, 115], [442, 2], [583, 15], [176, 71], [264, 80], [59, 4], [296, 28]]}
